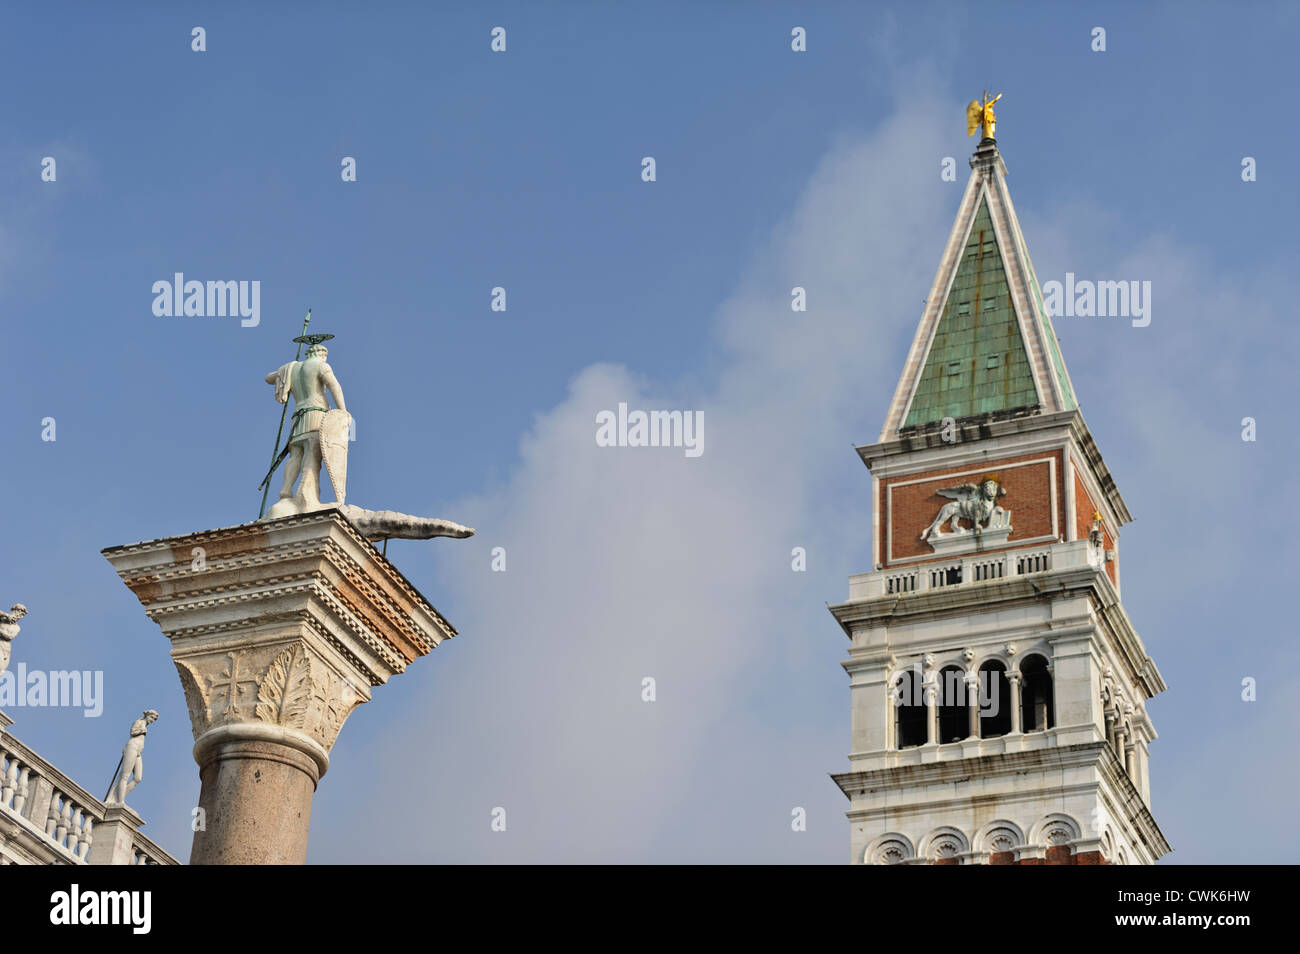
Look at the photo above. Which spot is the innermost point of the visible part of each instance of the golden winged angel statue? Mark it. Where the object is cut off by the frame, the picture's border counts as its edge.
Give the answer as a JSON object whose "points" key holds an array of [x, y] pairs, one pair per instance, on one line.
{"points": [[981, 114]]}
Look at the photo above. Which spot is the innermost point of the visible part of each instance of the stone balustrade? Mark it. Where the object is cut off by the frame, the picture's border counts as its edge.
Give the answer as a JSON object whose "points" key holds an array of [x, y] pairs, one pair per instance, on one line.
{"points": [[973, 568], [57, 821], [70, 825]]}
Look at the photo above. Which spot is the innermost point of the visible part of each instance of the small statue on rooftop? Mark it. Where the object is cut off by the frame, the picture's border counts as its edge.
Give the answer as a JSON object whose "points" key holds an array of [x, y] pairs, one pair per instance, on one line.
{"points": [[8, 630], [130, 770]]}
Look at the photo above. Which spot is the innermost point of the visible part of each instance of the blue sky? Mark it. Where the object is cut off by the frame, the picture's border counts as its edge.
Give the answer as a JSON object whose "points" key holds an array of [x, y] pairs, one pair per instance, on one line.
{"points": [[522, 170]]}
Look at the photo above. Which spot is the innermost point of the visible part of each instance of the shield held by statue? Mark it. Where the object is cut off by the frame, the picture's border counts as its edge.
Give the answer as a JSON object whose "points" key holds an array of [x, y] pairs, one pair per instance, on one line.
{"points": [[335, 427]]}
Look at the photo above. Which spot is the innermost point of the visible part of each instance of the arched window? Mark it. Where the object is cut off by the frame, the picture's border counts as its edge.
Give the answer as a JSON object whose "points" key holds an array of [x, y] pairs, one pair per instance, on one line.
{"points": [[995, 700], [954, 717], [909, 710], [1036, 695]]}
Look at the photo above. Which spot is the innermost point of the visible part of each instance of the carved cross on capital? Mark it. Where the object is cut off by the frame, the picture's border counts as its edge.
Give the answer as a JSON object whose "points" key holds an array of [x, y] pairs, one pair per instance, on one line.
{"points": [[227, 690]]}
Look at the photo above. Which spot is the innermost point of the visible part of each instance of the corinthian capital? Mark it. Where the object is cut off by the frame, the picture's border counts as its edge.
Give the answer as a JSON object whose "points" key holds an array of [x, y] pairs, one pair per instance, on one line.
{"points": [[279, 629]]}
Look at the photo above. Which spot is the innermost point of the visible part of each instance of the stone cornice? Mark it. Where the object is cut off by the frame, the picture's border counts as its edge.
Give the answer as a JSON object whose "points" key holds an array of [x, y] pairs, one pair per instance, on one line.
{"points": [[1095, 755], [316, 563], [982, 427], [1134, 807], [947, 771], [1142, 668], [21, 835], [1084, 441]]}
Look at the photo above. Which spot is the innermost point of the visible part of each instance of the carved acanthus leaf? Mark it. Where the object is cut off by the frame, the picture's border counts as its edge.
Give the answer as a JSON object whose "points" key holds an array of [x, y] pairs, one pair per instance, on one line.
{"points": [[289, 694], [337, 709], [195, 700]]}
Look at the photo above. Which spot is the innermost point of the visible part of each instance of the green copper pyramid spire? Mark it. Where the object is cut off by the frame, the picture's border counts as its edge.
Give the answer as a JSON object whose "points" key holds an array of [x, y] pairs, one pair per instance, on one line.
{"points": [[985, 345], [977, 363]]}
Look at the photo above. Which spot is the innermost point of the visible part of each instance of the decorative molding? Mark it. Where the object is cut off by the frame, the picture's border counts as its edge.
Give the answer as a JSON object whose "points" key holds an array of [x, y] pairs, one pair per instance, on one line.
{"points": [[999, 836], [889, 849], [944, 843]]}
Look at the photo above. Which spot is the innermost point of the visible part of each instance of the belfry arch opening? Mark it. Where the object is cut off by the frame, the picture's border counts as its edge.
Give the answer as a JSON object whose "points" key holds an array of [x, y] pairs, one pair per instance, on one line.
{"points": [[995, 700], [1036, 703], [954, 716], [909, 711]]}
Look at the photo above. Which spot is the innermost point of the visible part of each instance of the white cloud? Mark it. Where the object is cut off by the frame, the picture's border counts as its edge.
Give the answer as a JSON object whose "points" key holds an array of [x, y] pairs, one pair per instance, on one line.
{"points": [[633, 562]]}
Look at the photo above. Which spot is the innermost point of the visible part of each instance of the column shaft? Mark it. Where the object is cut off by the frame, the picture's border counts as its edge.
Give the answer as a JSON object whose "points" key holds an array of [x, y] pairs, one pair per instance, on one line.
{"points": [[931, 716], [1014, 679], [973, 707], [256, 800]]}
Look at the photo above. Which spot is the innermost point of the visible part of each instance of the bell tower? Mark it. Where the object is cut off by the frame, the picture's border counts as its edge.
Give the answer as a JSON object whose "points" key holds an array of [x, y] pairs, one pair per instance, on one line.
{"points": [[998, 688]]}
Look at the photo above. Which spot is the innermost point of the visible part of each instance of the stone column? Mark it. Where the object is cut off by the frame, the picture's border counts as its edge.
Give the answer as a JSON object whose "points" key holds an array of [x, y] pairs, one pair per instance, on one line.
{"points": [[278, 631], [973, 704], [930, 682], [931, 715], [1013, 680], [1112, 728]]}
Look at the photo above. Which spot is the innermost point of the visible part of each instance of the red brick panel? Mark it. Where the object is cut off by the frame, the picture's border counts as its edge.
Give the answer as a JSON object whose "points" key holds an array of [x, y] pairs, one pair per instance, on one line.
{"points": [[1028, 498]]}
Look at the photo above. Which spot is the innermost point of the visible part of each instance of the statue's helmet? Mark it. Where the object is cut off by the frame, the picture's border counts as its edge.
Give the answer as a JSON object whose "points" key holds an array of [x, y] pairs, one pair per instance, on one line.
{"points": [[18, 609]]}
